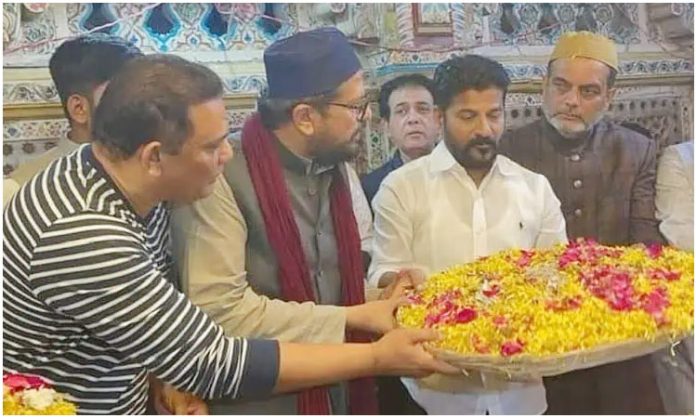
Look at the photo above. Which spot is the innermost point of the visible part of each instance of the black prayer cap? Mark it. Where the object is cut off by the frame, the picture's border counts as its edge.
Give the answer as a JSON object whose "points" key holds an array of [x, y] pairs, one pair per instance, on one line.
{"points": [[309, 63]]}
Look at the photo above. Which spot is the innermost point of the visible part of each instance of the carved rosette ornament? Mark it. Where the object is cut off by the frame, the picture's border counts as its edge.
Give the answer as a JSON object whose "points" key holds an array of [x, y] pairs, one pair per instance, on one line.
{"points": [[674, 20]]}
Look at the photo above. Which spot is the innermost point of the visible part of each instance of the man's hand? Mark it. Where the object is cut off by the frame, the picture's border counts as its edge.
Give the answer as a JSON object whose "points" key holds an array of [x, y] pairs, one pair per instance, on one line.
{"points": [[376, 317], [399, 283], [170, 401], [401, 353]]}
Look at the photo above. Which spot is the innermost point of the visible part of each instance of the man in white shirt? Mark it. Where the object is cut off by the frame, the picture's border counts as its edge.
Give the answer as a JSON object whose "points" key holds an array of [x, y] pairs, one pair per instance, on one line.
{"points": [[674, 197], [462, 202], [674, 200]]}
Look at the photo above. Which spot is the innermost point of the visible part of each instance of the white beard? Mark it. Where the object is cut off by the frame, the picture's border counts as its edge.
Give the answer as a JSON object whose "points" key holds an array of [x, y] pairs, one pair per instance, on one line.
{"points": [[576, 130]]}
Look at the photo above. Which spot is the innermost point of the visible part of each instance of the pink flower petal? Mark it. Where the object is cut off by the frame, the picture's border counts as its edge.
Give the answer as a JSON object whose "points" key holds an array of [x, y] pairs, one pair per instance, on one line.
{"points": [[465, 315], [510, 348]]}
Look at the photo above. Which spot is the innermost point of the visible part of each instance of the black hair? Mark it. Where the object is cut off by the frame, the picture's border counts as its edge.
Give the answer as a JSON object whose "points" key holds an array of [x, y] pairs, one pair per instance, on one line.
{"points": [[402, 81], [81, 64], [150, 99], [468, 72], [275, 113]]}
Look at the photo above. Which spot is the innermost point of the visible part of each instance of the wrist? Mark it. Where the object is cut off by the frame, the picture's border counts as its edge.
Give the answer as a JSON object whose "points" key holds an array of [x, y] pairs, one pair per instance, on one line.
{"points": [[378, 366], [354, 317]]}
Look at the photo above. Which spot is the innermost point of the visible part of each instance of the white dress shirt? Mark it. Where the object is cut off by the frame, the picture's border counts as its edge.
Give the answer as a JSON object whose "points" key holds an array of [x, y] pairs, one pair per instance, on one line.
{"points": [[429, 214], [674, 198], [361, 210]]}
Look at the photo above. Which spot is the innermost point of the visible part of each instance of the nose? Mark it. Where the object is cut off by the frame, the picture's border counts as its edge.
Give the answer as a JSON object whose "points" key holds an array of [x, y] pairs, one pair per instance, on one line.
{"points": [[483, 128], [413, 117], [227, 152], [571, 98]]}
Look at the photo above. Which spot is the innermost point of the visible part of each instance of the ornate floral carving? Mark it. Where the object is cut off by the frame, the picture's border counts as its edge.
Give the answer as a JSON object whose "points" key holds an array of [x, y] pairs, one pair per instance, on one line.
{"points": [[673, 21], [10, 23], [38, 29], [24, 92]]}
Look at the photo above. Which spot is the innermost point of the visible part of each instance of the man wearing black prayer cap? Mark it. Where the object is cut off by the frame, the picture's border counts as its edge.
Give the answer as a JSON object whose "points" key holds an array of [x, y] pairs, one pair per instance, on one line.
{"points": [[275, 251]]}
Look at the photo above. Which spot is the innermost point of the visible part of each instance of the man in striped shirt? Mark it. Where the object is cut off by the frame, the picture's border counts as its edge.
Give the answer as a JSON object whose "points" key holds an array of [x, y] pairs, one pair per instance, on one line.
{"points": [[87, 304]]}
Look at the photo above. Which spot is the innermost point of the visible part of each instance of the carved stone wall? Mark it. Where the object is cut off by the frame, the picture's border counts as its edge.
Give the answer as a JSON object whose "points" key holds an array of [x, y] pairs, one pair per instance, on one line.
{"points": [[656, 70], [656, 75]]}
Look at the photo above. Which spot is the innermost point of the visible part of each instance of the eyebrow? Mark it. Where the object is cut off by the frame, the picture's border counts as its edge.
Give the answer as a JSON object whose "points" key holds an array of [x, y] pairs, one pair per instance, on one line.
{"points": [[218, 139], [559, 78], [468, 110], [420, 102]]}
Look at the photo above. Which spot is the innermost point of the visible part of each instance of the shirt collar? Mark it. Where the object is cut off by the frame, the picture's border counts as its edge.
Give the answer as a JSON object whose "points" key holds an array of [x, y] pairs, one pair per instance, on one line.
{"points": [[441, 160]]}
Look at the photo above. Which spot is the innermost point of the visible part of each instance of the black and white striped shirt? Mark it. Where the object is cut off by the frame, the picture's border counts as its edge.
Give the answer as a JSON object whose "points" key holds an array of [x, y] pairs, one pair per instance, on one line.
{"points": [[88, 307]]}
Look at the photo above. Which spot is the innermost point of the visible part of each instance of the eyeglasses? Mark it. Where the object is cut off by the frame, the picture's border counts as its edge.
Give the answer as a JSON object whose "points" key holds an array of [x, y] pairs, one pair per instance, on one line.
{"points": [[359, 109]]}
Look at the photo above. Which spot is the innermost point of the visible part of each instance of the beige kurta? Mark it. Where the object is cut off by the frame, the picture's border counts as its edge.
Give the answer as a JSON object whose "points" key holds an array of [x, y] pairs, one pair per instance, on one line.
{"points": [[219, 239], [209, 238], [25, 171]]}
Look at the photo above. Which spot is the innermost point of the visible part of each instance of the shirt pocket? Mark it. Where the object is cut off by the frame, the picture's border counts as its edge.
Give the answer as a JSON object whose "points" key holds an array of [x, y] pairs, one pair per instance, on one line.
{"points": [[522, 222], [529, 223]]}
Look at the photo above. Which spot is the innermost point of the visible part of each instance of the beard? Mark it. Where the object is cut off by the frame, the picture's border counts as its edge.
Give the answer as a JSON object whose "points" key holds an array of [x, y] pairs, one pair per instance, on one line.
{"points": [[477, 154], [339, 153], [577, 128]]}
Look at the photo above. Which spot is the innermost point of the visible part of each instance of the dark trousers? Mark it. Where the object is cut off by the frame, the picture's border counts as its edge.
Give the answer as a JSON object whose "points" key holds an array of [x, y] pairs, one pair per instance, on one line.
{"points": [[625, 388], [394, 398]]}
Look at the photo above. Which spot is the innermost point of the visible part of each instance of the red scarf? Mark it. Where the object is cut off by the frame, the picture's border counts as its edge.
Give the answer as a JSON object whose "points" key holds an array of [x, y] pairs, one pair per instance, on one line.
{"points": [[283, 235]]}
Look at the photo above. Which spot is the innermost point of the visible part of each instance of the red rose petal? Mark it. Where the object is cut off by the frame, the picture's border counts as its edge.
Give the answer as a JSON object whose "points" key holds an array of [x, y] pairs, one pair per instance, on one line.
{"points": [[510, 348], [465, 315]]}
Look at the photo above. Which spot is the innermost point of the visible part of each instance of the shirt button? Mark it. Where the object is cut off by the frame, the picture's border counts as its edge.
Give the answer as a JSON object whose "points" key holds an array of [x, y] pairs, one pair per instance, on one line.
{"points": [[312, 191], [577, 183], [578, 212], [575, 157]]}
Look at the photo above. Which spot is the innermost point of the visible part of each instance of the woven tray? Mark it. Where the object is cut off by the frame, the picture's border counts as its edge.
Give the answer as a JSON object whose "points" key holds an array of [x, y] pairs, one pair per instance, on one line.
{"points": [[522, 367]]}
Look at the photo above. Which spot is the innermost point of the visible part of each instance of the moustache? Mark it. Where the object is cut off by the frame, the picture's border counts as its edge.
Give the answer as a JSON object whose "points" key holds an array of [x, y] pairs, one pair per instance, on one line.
{"points": [[481, 141], [572, 115]]}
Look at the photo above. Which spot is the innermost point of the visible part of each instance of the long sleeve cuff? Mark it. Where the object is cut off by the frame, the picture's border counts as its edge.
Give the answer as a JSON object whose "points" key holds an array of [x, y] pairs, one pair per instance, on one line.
{"points": [[262, 369]]}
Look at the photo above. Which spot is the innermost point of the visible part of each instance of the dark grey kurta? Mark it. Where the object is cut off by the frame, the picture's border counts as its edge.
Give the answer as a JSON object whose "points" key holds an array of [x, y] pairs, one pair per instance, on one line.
{"points": [[308, 185], [606, 185], [605, 182]]}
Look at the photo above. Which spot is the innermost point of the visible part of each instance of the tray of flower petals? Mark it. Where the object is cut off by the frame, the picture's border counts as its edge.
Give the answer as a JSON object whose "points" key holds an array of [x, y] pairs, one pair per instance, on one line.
{"points": [[31, 395], [537, 313]]}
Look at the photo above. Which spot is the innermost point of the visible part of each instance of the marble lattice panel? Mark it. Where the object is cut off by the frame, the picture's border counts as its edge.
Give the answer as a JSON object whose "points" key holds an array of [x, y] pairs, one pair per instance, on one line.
{"points": [[25, 139]]}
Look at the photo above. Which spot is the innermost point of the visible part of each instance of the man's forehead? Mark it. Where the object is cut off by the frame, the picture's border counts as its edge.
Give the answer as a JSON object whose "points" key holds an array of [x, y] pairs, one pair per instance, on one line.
{"points": [[410, 93], [572, 69], [491, 98]]}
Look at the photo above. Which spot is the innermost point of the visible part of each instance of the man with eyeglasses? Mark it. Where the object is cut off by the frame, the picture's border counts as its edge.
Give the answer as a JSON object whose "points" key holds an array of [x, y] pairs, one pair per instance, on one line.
{"points": [[410, 120], [276, 250]]}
